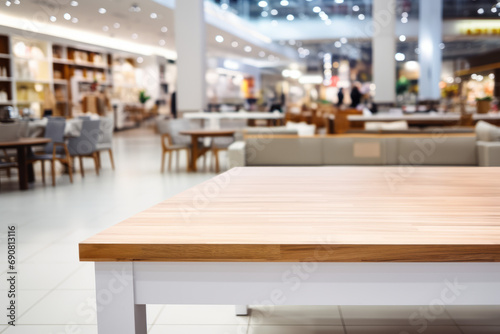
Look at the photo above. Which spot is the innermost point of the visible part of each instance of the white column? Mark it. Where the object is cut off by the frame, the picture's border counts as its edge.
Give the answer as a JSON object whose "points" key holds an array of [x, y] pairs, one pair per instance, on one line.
{"points": [[191, 58], [430, 58], [384, 50]]}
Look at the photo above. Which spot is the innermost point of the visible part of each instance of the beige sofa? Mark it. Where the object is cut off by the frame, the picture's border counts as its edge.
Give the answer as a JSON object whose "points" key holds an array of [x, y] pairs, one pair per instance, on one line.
{"points": [[434, 149]]}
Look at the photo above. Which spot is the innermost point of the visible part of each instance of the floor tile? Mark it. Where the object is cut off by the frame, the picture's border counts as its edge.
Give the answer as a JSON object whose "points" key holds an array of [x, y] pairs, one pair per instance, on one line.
{"points": [[201, 329], [393, 316], [475, 315], [82, 279], [200, 315], [295, 315], [51, 329], [401, 330], [296, 330]]}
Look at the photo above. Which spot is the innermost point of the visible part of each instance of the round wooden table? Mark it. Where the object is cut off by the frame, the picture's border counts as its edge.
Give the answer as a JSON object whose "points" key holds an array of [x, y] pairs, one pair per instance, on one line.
{"points": [[25, 174], [196, 151]]}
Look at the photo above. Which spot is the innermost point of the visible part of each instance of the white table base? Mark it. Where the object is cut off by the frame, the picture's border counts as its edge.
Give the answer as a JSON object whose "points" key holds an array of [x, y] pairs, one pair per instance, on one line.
{"points": [[124, 288]]}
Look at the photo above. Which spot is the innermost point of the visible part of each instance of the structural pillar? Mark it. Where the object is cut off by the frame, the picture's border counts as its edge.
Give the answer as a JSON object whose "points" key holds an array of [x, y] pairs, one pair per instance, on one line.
{"points": [[384, 51], [430, 58], [191, 56]]}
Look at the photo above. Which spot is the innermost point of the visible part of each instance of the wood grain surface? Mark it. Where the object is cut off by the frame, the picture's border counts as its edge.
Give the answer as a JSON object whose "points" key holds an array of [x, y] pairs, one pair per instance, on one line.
{"points": [[322, 214], [24, 142]]}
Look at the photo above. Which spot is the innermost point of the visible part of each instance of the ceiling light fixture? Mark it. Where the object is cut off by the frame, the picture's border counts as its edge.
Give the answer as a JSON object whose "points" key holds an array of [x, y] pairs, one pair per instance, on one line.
{"points": [[17, 2], [153, 16], [74, 20], [102, 10], [402, 38], [480, 11], [135, 36], [53, 19], [361, 17], [290, 17], [248, 48], [219, 39], [274, 12], [338, 44], [264, 14], [74, 3], [400, 56], [343, 40], [262, 54], [284, 2], [234, 44], [164, 29], [317, 9], [339, 1], [67, 16], [404, 20], [140, 60], [162, 42], [105, 28], [224, 6], [8, 3], [262, 4], [116, 25], [355, 8]]}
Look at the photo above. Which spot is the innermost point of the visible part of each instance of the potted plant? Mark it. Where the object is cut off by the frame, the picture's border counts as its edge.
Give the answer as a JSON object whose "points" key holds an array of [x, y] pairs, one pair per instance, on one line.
{"points": [[143, 98], [483, 104]]}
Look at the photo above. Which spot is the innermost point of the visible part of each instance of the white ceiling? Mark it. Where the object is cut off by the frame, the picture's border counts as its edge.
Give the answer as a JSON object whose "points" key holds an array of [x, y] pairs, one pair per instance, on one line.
{"points": [[35, 15]]}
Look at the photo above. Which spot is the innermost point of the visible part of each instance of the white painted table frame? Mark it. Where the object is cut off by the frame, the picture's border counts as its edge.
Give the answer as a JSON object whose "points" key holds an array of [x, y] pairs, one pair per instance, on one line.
{"points": [[124, 288]]}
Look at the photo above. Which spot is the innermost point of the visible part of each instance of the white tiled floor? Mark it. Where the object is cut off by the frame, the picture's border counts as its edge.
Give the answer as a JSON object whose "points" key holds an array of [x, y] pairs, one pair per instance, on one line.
{"points": [[56, 291]]}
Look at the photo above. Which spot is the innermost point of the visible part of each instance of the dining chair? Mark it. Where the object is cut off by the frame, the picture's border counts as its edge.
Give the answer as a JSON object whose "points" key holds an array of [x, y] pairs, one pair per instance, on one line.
{"points": [[172, 142], [85, 145], [222, 143], [56, 150], [105, 142]]}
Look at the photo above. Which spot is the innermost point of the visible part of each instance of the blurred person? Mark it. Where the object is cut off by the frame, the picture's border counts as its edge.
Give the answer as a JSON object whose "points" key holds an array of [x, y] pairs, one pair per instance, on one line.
{"points": [[355, 96], [340, 96]]}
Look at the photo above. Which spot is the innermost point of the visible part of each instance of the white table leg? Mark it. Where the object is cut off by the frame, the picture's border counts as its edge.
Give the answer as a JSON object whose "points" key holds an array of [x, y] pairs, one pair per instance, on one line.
{"points": [[116, 308], [241, 310]]}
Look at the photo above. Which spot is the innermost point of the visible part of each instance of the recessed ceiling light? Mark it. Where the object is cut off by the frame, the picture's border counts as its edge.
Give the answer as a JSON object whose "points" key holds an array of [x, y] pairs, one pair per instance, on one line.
{"points": [[105, 28], [480, 11], [262, 3], [343, 40], [74, 3], [361, 17], [140, 60], [338, 44], [262, 54], [339, 1], [248, 48], [317, 9], [17, 2], [264, 14], [164, 29], [102, 10], [402, 38], [274, 12], [74, 20], [135, 36], [290, 17], [284, 2], [355, 8], [161, 42], [67, 16], [234, 44], [219, 39], [400, 56], [135, 8], [8, 3], [494, 10], [153, 16], [224, 6], [53, 19], [404, 20], [116, 25]]}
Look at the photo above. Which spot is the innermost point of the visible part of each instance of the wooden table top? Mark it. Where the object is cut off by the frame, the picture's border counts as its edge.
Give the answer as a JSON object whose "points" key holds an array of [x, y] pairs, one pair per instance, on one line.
{"points": [[322, 214], [25, 142], [208, 133]]}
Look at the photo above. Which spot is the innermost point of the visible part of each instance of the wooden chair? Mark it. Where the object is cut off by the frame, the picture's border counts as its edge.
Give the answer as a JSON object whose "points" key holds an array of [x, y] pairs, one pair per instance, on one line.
{"points": [[57, 150], [171, 142], [85, 146], [105, 142]]}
